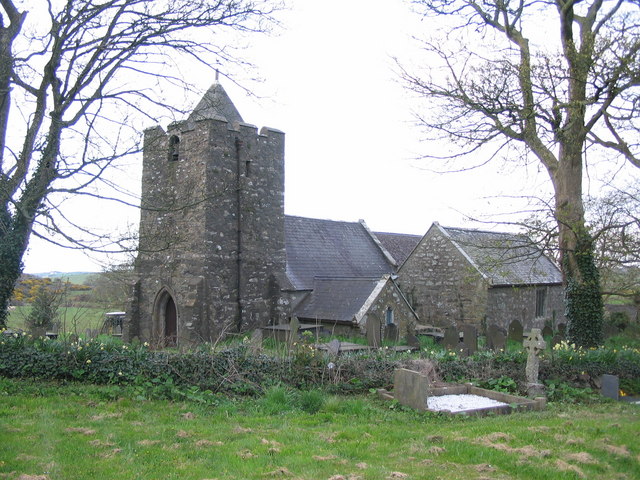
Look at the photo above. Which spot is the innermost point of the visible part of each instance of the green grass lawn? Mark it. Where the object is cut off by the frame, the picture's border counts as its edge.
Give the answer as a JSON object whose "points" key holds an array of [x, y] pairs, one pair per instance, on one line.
{"points": [[72, 319], [86, 432]]}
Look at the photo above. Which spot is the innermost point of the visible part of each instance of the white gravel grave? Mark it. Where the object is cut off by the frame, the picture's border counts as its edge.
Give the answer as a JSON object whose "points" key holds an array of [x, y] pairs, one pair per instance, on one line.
{"points": [[460, 403]]}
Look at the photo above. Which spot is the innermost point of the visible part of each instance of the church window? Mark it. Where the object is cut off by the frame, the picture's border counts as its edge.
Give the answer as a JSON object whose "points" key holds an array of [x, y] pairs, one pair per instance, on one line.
{"points": [[174, 148], [389, 316], [541, 297]]}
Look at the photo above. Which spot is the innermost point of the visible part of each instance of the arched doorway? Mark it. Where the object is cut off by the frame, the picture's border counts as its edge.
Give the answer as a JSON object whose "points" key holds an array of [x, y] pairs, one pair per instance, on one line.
{"points": [[165, 315], [170, 323]]}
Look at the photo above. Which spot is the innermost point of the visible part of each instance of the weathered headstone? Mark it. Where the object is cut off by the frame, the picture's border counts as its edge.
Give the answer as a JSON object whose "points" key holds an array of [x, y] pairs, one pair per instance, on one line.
{"points": [[294, 325], [496, 338], [90, 333], [410, 388], [451, 338], [333, 347], [610, 386], [610, 330], [373, 331], [562, 329], [547, 331], [470, 339], [391, 332], [534, 344], [515, 331], [255, 342], [412, 340], [556, 340]]}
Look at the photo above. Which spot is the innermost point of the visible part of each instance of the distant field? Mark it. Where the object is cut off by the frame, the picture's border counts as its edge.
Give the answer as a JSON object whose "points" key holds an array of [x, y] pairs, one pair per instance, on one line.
{"points": [[72, 319], [74, 277]]}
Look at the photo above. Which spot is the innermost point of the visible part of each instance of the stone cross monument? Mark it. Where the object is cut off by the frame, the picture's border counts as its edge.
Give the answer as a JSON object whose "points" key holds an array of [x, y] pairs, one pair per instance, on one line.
{"points": [[534, 343]]}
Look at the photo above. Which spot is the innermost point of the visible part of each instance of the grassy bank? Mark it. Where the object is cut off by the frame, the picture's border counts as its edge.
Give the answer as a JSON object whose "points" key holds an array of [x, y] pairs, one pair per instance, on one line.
{"points": [[88, 432]]}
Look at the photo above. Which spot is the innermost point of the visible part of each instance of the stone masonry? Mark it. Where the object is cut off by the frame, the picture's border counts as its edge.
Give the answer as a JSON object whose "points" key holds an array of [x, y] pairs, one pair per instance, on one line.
{"points": [[212, 252], [442, 285]]}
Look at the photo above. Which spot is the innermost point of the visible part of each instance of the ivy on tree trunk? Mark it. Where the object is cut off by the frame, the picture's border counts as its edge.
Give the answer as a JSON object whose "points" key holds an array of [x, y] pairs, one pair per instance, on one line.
{"points": [[583, 297]]}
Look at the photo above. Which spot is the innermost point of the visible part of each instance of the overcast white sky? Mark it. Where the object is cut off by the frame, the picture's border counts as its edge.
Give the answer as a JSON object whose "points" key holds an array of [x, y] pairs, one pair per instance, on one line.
{"points": [[351, 146]]}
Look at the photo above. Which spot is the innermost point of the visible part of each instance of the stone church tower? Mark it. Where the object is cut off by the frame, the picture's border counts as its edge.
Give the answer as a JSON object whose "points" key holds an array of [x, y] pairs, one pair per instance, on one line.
{"points": [[212, 250]]}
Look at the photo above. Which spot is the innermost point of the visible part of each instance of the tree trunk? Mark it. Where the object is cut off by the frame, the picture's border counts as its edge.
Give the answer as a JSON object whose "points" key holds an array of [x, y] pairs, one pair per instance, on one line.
{"points": [[581, 279], [13, 243]]}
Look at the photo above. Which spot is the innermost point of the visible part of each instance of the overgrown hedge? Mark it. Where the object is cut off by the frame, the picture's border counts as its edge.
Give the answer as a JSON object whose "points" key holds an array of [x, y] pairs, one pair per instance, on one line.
{"points": [[234, 370], [237, 371]]}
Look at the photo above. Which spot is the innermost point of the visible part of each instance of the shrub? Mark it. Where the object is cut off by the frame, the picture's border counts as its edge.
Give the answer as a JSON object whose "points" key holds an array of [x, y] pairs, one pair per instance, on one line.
{"points": [[560, 391], [582, 367], [502, 384], [44, 310], [203, 375]]}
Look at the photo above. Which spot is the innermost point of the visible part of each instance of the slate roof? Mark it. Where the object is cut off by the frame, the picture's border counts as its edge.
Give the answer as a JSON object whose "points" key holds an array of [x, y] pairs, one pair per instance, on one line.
{"points": [[505, 258], [399, 245], [326, 248], [337, 299], [216, 104]]}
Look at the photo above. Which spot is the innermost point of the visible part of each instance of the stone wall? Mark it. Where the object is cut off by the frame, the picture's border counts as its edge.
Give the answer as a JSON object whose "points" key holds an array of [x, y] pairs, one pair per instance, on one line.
{"points": [[403, 317], [508, 303], [441, 284]]}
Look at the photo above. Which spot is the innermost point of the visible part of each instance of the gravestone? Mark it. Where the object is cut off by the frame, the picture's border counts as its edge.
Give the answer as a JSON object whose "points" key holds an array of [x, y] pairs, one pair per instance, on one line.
{"points": [[610, 386], [451, 338], [610, 330], [496, 338], [556, 340], [547, 331], [90, 333], [562, 329], [533, 345], [255, 342], [410, 388], [470, 339], [373, 331], [294, 325], [333, 347], [515, 331], [412, 340], [391, 332]]}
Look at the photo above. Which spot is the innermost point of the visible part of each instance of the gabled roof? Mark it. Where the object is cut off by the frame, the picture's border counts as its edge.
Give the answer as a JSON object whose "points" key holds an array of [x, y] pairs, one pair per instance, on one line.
{"points": [[325, 248], [337, 299], [504, 258], [399, 245], [216, 104]]}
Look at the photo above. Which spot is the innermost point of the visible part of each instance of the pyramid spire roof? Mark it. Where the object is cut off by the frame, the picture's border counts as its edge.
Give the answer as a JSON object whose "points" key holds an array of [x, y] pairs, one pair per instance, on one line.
{"points": [[216, 104]]}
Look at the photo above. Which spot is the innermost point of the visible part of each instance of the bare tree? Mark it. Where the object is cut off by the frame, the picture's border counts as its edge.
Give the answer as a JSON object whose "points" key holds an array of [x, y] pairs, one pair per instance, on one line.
{"points": [[73, 76], [550, 79]]}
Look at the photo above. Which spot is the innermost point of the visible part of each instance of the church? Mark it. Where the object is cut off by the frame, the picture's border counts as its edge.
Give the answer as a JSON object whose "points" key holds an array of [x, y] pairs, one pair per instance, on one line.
{"points": [[217, 254]]}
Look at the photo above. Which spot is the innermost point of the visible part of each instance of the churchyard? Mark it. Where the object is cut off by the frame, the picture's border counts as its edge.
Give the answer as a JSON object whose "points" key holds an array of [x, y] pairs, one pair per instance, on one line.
{"points": [[87, 432], [258, 408]]}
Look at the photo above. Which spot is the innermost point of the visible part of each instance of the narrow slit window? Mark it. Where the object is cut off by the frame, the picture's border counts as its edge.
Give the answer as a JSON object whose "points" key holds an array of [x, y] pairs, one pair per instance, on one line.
{"points": [[389, 316], [541, 298], [174, 148]]}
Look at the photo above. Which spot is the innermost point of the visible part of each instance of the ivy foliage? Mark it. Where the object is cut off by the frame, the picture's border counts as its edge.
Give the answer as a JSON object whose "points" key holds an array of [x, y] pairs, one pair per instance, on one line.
{"points": [[237, 371], [10, 265], [584, 307]]}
